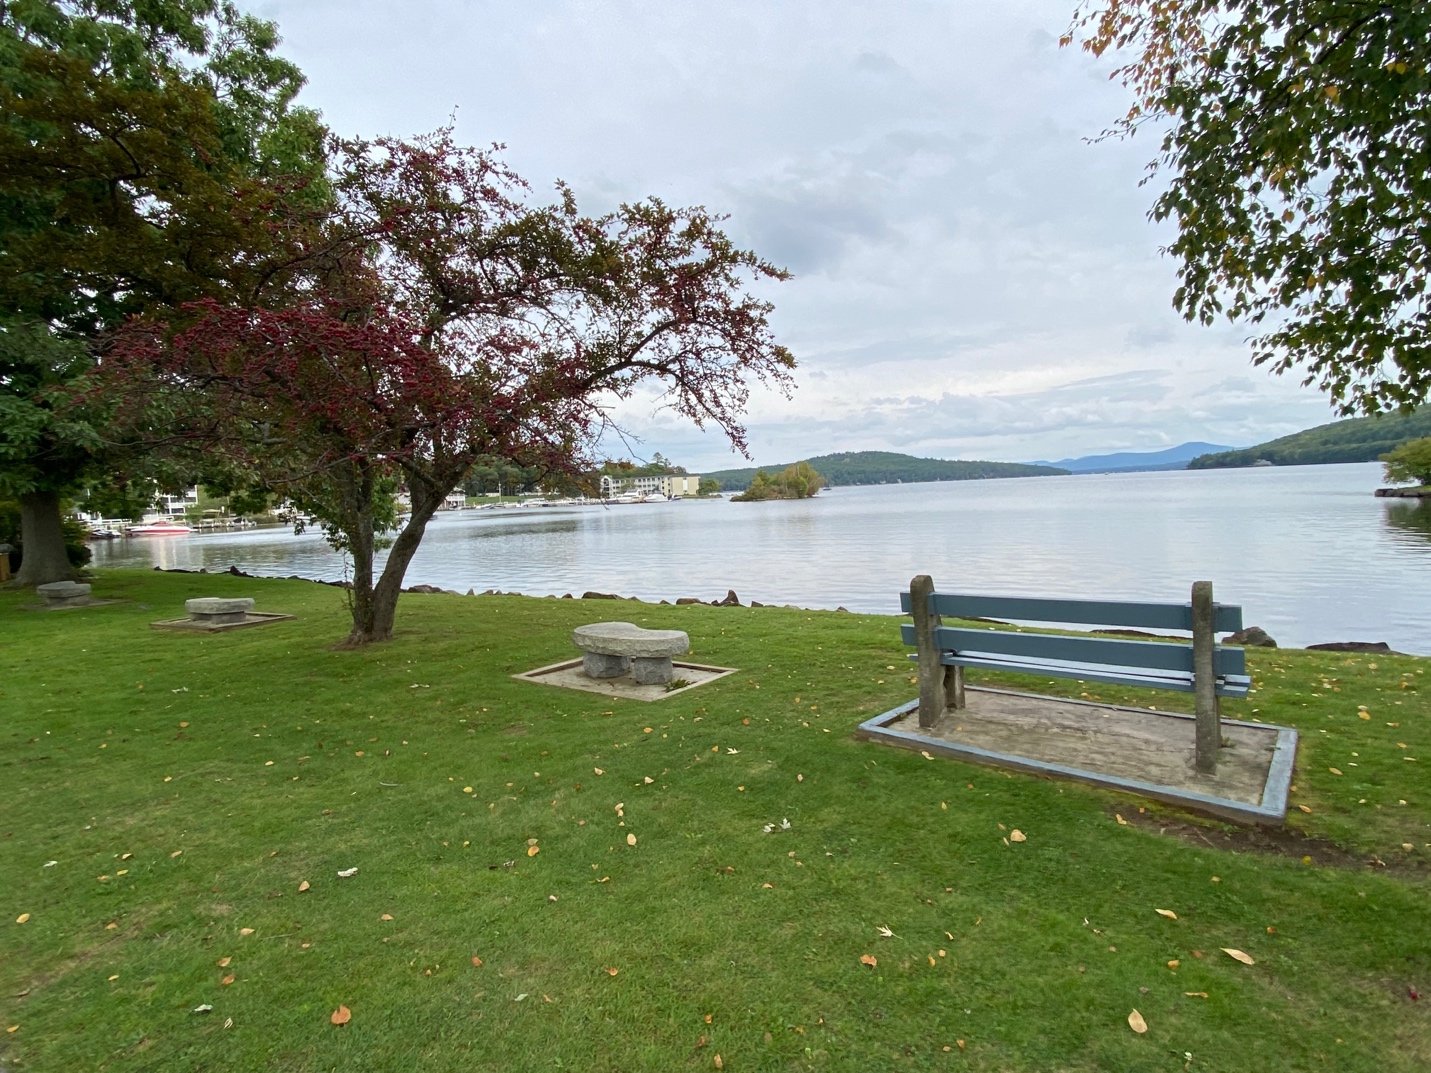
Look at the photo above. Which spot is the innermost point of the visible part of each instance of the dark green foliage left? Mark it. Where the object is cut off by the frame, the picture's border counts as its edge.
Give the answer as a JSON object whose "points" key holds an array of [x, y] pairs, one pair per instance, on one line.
{"points": [[142, 147]]}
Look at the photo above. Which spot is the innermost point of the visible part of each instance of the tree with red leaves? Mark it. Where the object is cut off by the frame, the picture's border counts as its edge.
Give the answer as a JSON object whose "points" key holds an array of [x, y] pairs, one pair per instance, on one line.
{"points": [[446, 320]]}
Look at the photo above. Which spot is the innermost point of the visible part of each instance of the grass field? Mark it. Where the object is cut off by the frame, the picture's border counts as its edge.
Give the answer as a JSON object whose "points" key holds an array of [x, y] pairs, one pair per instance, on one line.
{"points": [[549, 880]]}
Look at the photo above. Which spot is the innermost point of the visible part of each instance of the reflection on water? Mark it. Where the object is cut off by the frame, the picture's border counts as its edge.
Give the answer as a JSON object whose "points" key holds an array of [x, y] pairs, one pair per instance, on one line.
{"points": [[1411, 516], [1309, 552]]}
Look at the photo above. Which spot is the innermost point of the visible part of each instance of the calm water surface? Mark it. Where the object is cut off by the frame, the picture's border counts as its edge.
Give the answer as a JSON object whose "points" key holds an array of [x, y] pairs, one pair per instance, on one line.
{"points": [[1307, 551]]}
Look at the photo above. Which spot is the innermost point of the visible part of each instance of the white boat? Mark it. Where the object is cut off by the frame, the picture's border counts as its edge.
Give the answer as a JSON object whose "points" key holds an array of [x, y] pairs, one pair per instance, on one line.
{"points": [[654, 497], [159, 529]]}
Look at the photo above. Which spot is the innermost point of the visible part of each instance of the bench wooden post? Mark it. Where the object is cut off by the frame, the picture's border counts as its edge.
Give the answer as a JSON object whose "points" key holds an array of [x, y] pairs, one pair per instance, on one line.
{"points": [[1209, 720], [932, 697]]}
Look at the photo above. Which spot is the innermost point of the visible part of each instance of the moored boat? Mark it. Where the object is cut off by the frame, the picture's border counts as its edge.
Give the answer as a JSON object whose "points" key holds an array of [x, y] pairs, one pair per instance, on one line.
{"points": [[159, 529]]}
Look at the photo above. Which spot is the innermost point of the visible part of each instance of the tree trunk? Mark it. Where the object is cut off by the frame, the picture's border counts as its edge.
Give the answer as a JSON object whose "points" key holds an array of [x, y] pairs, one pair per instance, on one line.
{"points": [[378, 605], [360, 547], [43, 539]]}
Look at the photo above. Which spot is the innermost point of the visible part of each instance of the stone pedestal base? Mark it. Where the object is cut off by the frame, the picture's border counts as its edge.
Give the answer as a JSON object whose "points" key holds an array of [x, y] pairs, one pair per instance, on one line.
{"points": [[601, 665], [652, 670]]}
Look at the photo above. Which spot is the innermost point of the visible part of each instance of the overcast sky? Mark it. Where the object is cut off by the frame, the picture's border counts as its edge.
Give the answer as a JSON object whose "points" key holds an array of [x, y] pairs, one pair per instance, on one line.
{"points": [[973, 278]]}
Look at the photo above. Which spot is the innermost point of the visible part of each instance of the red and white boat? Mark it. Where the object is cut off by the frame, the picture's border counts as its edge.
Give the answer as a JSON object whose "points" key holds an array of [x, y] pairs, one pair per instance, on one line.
{"points": [[159, 528]]}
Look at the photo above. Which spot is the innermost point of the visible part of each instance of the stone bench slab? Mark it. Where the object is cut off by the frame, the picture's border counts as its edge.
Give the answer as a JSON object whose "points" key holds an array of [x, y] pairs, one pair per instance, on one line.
{"points": [[216, 605], [628, 639]]}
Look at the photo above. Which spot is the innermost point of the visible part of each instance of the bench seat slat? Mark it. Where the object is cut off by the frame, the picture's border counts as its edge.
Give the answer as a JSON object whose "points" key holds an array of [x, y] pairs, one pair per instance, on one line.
{"points": [[1226, 685], [1135, 615], [1175, 658]]}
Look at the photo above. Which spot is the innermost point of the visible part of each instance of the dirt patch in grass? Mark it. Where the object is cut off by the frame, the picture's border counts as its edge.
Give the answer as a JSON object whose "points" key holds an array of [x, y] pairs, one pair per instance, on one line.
{"points": [[1274, 841]]}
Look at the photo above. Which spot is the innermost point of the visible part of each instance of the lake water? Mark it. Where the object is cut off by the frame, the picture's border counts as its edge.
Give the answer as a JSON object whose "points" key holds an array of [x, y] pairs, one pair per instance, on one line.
{"points": [[1307, 551]]}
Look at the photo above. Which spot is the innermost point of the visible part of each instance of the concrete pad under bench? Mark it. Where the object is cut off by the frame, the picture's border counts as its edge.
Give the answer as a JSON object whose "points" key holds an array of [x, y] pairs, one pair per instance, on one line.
{"points": [[212, 614], [1137, 750], [570, 675]]}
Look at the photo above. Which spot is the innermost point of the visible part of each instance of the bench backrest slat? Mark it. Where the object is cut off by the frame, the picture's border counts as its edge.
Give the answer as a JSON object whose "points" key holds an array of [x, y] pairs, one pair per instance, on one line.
{"points": [[1134, 615], [1151, 655]]}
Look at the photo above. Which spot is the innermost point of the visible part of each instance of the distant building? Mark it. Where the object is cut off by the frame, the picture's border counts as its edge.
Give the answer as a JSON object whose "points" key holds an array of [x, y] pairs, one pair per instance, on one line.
{"points": [[671, 485], [177, 506]]}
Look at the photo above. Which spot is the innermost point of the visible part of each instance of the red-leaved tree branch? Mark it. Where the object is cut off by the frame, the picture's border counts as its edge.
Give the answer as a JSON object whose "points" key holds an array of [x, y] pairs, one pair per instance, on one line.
{"points": [[437, 319]]}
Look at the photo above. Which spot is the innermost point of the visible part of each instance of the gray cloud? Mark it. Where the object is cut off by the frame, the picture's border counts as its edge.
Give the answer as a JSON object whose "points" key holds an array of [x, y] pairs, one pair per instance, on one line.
{"points": [[973, 277]]}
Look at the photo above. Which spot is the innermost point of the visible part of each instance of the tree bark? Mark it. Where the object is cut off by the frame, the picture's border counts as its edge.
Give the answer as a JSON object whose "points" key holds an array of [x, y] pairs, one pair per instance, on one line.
{"points": [[375, 609], [43, 538]]}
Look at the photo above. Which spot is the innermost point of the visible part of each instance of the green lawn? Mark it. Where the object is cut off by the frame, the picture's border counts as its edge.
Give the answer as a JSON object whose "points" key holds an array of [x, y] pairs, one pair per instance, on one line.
{"points": [[550, 880]]}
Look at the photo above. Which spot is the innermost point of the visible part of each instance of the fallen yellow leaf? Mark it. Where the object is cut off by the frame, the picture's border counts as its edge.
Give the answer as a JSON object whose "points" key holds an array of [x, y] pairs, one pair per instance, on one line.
{"points": [[1195, 994], [1166, 913], [532, 851], [245, 931], [1174, 963], [227, 980], [23, 918], [1136, 1022], [1121, 821], [718, 1062], [630, 840], [224, 963], [1017, 836], [476, 961], [1334, 771], [341, 1016], [1238, 955], [304, 886], [612, 971], [869, 959]]}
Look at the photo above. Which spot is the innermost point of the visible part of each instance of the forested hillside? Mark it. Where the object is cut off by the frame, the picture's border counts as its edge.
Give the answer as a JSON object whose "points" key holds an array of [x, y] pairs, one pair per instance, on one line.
{"points": [[1359, 439], [888, 467]]}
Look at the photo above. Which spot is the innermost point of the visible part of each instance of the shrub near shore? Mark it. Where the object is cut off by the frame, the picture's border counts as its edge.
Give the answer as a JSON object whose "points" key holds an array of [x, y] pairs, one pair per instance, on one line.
{"points": [[552, 880]]}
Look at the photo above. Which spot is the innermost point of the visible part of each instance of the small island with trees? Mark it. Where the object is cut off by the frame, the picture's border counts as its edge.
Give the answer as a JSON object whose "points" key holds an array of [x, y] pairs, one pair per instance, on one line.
{"points": [[800, 481], [1409, 464]]}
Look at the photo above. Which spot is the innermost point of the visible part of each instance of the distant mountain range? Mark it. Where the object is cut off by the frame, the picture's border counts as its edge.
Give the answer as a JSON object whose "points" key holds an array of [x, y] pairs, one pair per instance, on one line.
{"points": [[1126, 461], [888, 467]]}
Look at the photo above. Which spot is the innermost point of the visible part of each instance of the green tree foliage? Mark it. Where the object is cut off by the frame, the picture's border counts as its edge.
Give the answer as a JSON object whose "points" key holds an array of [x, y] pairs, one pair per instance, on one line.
{"points": [[141, 146], [1410, 463], [1294, 164], [1358, 439], [708, 486]]}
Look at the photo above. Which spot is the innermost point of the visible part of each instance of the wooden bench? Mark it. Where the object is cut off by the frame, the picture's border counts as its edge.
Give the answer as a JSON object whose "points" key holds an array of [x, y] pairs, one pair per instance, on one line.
{"points": [[1204, 668]]}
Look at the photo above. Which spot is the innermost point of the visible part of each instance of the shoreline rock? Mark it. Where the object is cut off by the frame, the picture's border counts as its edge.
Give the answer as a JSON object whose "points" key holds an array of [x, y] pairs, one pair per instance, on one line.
{"points": [[1403, 493]]}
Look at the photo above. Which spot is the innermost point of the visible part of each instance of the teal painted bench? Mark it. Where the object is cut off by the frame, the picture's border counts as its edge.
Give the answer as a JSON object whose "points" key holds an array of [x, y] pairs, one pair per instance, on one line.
{"points": [[1203, 667]]}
